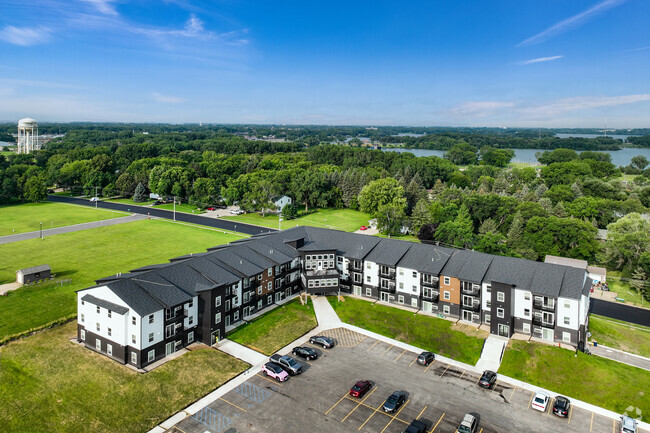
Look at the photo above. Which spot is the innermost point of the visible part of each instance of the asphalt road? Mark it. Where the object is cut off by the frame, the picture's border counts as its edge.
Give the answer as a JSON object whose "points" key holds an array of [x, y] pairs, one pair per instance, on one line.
{"points": [[627, 313], [247, 229]]}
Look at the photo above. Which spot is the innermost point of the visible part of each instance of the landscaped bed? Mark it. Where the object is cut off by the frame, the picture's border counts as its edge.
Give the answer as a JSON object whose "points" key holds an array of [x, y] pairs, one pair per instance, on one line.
{"points": [[459, 342], [593, 379], [273, 330], [620, 335], [49, 384]]}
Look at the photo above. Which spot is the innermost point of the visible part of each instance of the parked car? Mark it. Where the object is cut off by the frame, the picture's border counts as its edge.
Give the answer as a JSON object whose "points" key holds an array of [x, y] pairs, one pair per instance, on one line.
{"points": [[416, 426], [394, 401], [488, 379], [426, 358], [94, 199], [236, 211], [363, 228], [561, 406], [275, 371], [469, 424], [540, 401], [360, 388], [629, 425], [322, 340], [211, 208], [305, 352], [289, 364]]}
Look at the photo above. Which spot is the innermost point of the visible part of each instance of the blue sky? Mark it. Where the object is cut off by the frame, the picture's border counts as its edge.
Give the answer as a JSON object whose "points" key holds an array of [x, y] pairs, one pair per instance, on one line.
{"points": [[533, 63]]}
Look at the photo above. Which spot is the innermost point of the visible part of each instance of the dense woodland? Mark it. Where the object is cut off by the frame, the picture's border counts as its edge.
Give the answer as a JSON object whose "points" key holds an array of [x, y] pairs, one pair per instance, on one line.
{"points": [[487, 206]]}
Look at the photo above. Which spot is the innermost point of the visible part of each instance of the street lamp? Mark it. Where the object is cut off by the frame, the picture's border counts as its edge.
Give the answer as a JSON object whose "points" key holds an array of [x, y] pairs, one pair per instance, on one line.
{"points": [[41, 231]]}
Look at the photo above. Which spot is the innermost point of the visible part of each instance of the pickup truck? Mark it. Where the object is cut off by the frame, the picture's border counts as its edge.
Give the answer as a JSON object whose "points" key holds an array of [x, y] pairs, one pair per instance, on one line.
{"points": [[289, 364], [416, 427]]}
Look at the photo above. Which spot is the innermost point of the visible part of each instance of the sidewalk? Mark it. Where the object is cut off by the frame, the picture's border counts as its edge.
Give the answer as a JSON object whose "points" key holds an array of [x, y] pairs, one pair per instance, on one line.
{"points": [[620, 356]]}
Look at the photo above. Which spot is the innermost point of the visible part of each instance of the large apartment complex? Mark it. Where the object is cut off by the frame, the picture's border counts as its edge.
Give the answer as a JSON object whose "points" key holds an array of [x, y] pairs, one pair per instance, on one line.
{"points": [[144, 315]]}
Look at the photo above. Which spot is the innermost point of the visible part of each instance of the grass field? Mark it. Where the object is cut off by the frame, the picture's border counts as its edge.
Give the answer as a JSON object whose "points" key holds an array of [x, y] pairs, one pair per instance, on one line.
{"points": [[84, 257], [595, 380], [273, 330], [186, 208], [459, 342], [624, 290], [620, 335], [49, 384], [27, 217], [339, 219]]}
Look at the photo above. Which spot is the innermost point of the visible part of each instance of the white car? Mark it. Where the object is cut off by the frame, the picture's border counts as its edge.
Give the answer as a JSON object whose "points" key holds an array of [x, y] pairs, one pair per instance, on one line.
{"points": [[236, 211], [540, 401]]}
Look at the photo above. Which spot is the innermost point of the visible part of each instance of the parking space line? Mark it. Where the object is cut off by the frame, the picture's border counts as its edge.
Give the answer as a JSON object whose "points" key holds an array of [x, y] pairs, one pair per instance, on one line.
{"points": [[421, 412], [461, 375], [270, 380], [362, 340], [376, 342], [344, 395], [425, 370], [481, 430], [532, 394], [368, 419], [400, 355], [591, 426], [443, 373], [613, 426], [513, 392], [391, 346], [358, 404], [434, 427], [234, 405], [570, 413], [395, 417], [550, 405], [412, 362], [495, 385]]}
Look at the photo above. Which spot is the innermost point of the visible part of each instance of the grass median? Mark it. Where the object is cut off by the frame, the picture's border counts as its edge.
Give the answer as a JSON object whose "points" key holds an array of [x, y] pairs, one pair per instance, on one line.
{"points": [[599, 381], [338, 219], [460, 342], [620, 335], [48, 383], [272, 331]]}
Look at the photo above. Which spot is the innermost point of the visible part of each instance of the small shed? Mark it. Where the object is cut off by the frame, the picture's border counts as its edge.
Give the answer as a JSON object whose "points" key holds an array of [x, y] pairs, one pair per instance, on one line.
{"points": [[35, 273]]}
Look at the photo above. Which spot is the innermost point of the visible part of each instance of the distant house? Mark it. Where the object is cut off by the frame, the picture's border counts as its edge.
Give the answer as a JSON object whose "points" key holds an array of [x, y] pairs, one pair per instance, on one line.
{"points": [[281, 202], [35, 273], [595, 273]]}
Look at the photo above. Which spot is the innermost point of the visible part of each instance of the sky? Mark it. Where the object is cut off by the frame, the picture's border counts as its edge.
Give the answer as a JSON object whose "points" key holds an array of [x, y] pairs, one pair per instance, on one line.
{"points": [[510, 63]]}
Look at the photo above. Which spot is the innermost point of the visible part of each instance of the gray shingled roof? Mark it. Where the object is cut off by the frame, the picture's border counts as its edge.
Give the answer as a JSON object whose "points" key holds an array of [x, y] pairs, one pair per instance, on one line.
{"points": [[565, 261], [547, 280], [351, 245], [573, 282], [426, 258], [34, 269], [316, 246], [105, 304], [388, 252], [512, 271], [467, 265], [137, 298]]}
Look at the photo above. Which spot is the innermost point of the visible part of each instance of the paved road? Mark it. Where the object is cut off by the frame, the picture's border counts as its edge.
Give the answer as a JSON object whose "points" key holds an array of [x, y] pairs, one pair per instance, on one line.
{"points": [[234, 226], [620, 356], [68, 229], [627, 313]]}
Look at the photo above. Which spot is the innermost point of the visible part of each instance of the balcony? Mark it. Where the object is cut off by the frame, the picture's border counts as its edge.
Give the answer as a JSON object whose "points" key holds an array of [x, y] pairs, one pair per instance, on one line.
{"points": [[538, 320], [387, 273], [473, 290], [175, 315], [430, 295], [474, 306], [390, 287], [432, 282], [544, 306]]}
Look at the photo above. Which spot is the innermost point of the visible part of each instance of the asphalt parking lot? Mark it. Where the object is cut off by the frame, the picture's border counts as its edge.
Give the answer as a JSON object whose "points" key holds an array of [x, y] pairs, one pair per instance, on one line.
{"points": [[438, 395]]}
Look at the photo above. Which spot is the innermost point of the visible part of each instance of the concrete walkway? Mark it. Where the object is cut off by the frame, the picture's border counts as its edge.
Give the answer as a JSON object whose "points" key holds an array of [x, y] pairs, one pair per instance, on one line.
{"points": [[242, 352], [70, 228], [325, 314], [492, 353], [620, 356]]}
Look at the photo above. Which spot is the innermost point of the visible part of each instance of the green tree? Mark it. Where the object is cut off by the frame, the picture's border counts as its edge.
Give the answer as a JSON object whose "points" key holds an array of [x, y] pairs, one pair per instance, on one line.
{"points": [[140, 194], [421, 215], [380, 192], [558, 193], [640, 162], [627, 239], [289, 211], [567, 237], [496, 157], [462, 154], [491, 243], [458, 232], [391, 217], [35, 189]]}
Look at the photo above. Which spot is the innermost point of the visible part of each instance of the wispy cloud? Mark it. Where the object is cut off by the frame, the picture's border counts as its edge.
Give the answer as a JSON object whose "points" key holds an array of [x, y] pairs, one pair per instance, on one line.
{"points": [[167, 99], [571, 22], [635, 49], [25, 36], [539, 60], [561, 106], [103, 6], [480, 108]]}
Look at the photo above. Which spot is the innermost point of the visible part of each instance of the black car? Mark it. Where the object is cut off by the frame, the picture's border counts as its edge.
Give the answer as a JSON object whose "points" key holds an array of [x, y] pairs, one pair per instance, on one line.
{"points": [[488, 379], [305, 352], [561, 406], [322, 340], [426, 358], [416, 426], [394, 401]]}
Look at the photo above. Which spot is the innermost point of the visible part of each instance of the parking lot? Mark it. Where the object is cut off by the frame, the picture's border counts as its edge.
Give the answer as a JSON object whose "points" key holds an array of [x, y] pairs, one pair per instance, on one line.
{"points": [[438, 395]]}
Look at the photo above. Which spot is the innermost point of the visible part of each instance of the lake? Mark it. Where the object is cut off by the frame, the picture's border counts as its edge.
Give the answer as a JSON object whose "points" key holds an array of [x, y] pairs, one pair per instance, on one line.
{"points": [[615, 136], [619, 157]]}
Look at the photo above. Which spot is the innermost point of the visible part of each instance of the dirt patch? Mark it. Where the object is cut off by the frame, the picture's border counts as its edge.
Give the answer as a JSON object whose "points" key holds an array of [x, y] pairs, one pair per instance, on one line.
{"points": [[471, 331]]}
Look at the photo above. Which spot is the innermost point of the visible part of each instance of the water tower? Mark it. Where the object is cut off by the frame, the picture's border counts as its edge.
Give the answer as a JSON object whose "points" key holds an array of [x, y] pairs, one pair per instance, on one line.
{"points": [[28, 135]]}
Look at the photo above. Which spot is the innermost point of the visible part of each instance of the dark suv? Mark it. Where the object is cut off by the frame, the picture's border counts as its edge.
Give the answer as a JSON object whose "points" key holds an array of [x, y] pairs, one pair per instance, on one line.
{"points": [[561, 406], [426, 358], [488, 379], [305, 352], [322, 340]]}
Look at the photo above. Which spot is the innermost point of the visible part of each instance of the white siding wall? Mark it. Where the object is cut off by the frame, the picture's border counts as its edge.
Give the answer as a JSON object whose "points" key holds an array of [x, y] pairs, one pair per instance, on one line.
{"points": [[406, 278], [116, 322], [157, 327], [236, 290], [572, 312], [370, 269], [520, 304], [584, 309], [135, 330], [485, 296], [192, 312]]}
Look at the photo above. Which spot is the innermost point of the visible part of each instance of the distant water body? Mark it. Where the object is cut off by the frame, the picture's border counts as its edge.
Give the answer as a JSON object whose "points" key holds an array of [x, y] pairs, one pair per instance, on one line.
{"points": [[615, 136], [619, 157]]}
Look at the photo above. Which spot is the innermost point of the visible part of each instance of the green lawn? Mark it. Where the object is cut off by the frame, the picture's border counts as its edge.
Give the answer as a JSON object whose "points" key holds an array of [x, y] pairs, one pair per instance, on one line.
{"points": [[186, 208], [459, 342], [593, 379], [340, 219], [620, 335], [49, 384], [273, 330], [27, 217], [623, 290], [85, 256]]}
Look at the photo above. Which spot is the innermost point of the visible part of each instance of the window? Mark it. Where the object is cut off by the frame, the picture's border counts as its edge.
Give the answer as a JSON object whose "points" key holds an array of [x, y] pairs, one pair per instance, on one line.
{"points": [[488, 304], [150, 318], [368, 291], [98, 327], [446, 295], [415, 274], [527, 312], [98, 344], [415, 288], [269, 300], [151, 355], [401, 271], [401, 285], [150, 337], [368, 278], [567, 320], [400, 299], [217, 318], [133, 338], [110, 314], [97, 309], [500, 313], [83, 318], [501, 297], [83, 302], [83, 334], [228, 291], [259, 290], [110, 332], [567, 304], [277, 269], [228, 305], [269, 271], [566, 337], [446, 309], [134, 358], [191, 304], [488, 319], [527, 296], [217, 301], [235, 316], [368, 265], [447, 280], [109, 349], [259, 277], [414, 302], [269, 286], [526, 328], [488, 288], [133, 320], [190, 337], [190, 321]]}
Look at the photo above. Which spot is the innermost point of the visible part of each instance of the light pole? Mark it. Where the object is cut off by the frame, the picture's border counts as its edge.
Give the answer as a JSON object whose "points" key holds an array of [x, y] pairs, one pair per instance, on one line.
{"points": [[41, 231], [174, 208]]}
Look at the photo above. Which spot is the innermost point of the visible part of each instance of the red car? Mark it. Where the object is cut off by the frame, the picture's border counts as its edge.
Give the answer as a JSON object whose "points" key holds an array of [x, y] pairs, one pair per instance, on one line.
{"points": [[363, 228], [210, 208], [360, 388]]}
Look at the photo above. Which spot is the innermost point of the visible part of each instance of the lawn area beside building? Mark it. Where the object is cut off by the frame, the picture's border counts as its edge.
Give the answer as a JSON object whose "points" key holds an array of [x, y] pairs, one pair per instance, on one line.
{"points": [[85, 256], [272, 331], [593, 379], [620, 335], [22, 218], [48, 383], [338, 219], [460, 342]]}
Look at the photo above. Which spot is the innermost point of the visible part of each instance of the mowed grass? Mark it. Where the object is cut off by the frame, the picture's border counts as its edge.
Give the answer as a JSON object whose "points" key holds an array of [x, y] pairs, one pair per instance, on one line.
{"points": [[85, 256], [339, 219], [186, 208], [592, 379], [620, 335], [459, 342], [49, 384], [273, 330], [27, 217]]}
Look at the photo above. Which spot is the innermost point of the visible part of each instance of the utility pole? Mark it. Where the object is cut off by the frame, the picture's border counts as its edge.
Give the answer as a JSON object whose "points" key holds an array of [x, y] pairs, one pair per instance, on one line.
{"points": [[95, 197], [174, 208], [280, 221], [41, 231]]}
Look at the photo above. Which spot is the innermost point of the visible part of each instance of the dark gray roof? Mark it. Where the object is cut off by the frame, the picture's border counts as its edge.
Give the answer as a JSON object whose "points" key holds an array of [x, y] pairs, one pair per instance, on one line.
{"points": [[586, 290], [573, 282], [34, 269], [149, 267], [467, 265], [547, 280], [216, 272], [388, 251], [316, 246], [236, 263], [350, 245], [426, 258], [105, 304], [162, 289], [137, 298], [513, 271]]}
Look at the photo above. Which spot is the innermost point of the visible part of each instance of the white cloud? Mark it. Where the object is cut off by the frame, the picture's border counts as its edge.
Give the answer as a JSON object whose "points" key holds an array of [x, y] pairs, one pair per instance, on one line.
{"points": [[480, 108], [635, 49], [560, 106], [539, 60], [25, 36], [166, 99], [103, 6], [571, 22]]}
